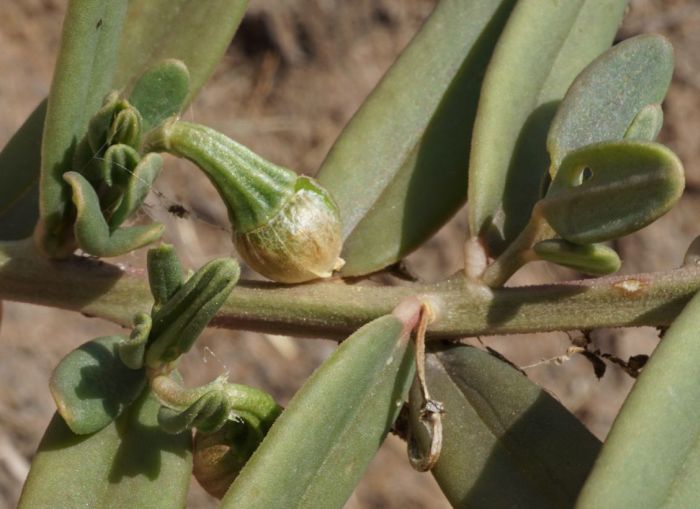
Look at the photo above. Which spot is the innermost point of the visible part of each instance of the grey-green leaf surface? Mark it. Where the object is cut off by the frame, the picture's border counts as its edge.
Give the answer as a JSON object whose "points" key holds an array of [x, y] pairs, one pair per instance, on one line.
{"points": [[506, 442], [91, 385], [542, 49], [20, 164], [398, 170], [129, 464], [197, 32], [607, 96], [161, 92], [317, 450], [610, 189], [82, 78], [651, 457]]}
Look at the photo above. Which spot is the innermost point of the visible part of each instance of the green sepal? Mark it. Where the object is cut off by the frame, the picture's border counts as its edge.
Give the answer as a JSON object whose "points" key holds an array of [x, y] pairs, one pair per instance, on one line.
{"points": [[165, 275], [316, 451], [129, 464], [651, 457], [610, 189], [161, 92], [506, 442], [179, 322], [132, 350], [114, 167], [592, 259], [116, 122], [91, 230], [92, 386], [647, 124], [138, 184], [607, 96]]}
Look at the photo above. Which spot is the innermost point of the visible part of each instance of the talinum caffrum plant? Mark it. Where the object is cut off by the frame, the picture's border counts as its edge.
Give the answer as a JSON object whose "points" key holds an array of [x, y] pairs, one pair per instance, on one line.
{"points": [[521, 109]]}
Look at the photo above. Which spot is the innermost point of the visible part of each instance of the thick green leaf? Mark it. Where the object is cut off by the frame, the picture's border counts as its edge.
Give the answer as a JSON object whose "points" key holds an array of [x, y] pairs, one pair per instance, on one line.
{"points": [[651, 457], [317, 450], [607, 96], [82, 78], [542, 49], [161, 92], [129, 464], [506, 442], [196, 32], [92, 386], [610, 189], [20, 164], [593, 259], [398, 171]]}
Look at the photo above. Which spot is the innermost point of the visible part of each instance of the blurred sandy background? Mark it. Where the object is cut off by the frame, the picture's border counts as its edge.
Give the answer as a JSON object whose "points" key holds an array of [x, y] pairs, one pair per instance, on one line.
{"points": [[291, 79]]}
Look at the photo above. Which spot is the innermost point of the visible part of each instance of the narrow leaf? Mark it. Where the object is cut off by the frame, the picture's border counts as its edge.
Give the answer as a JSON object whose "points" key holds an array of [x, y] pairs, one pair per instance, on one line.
{"points": [[610, 189], [506, 442], [542, 49], [129, 464], [317, 450], [92, 386], [20, 164], [651, 457], [82, 79], [398, 170], [607, 96], [196, 32]]}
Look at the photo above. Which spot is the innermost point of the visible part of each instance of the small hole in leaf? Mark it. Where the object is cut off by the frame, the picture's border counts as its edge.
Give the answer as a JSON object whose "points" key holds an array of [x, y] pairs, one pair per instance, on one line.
{"points": [[585, 174]]}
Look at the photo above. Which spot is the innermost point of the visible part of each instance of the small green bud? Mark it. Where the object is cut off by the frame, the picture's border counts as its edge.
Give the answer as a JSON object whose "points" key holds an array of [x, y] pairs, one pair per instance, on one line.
{"points": [[592, 259], [287, 227], [179, 322]]}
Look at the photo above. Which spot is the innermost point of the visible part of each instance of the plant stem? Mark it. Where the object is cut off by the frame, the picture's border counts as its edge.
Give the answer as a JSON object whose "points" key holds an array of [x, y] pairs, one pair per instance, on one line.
{"points": [[518, 253], [335, 309]]}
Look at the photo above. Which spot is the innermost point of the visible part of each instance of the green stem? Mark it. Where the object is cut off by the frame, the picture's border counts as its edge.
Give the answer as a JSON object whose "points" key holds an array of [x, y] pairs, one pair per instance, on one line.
{"points": [[335, 309], [518, 253]]}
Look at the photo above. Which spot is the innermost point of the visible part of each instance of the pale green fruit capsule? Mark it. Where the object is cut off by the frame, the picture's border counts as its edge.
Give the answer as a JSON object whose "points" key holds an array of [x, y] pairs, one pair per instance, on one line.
{"points": [[287, 227]]}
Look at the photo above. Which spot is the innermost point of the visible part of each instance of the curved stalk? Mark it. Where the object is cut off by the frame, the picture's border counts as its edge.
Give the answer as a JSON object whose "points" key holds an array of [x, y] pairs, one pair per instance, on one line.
{"points": [[334, 309]]}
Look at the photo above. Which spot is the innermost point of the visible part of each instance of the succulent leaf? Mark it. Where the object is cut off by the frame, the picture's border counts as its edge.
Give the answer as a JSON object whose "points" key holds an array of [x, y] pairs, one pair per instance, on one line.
{"points": [[500, 429], [606, 98], [161, 92], [541, 50], [610, 189], [92, 386], [409, 141], [131, 463], [311, 462], [650, 457]]}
